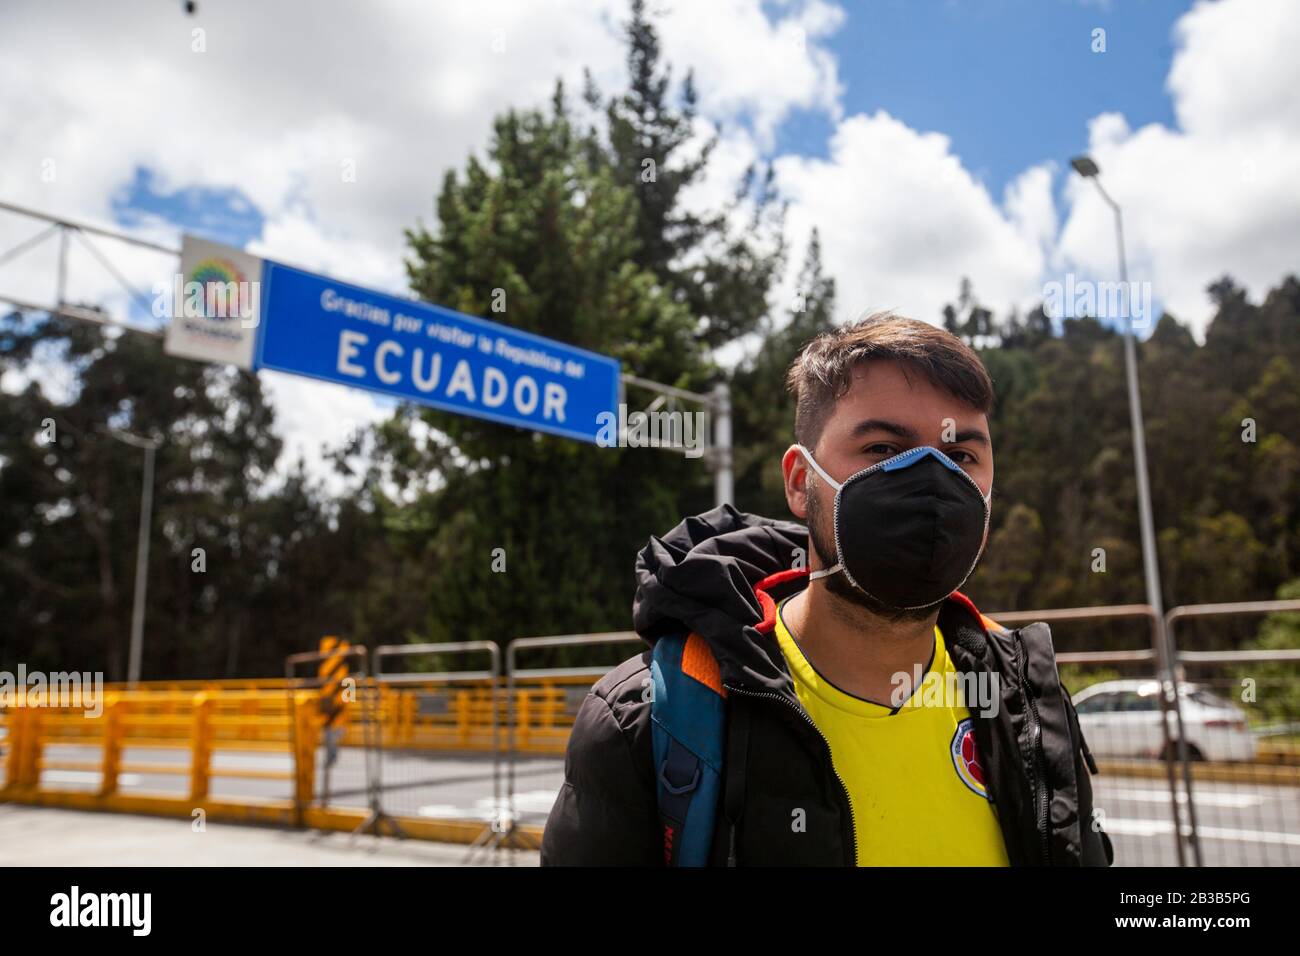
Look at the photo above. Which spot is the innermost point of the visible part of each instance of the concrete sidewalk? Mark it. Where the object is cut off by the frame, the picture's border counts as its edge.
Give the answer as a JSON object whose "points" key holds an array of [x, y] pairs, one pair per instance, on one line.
{"points": [[39, 836]]}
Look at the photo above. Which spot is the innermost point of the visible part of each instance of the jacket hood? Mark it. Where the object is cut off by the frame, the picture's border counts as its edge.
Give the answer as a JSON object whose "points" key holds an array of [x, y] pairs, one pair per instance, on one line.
{"points": [[721, 574]]}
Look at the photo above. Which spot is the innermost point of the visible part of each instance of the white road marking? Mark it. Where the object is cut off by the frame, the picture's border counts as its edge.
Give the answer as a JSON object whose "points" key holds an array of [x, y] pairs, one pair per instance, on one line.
{"points": [[1148, 828], [1210, 798], [526, 801]]}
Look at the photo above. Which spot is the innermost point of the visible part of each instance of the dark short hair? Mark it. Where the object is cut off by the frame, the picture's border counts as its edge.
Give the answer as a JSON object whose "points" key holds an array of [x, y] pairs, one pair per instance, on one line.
{"points": [[823, 372]]}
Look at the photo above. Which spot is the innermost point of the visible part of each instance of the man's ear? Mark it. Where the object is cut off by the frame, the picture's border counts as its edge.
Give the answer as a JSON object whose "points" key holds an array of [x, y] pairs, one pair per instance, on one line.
{"points": [[794, 468]]}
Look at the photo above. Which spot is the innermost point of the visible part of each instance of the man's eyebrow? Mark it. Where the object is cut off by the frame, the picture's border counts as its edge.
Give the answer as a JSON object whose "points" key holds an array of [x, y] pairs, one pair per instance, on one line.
{"points": [[971, 434], [902, 431], [882, 425]]}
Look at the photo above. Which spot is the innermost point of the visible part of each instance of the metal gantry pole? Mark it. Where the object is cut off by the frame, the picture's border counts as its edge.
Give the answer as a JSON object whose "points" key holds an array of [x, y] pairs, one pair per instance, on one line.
{"points": [[65, 227], [63, 266], [718, 403], [87, 227]]}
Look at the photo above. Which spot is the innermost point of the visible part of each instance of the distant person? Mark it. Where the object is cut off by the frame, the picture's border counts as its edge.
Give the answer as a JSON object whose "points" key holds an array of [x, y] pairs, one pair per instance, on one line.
{"points": [[873, 716]]}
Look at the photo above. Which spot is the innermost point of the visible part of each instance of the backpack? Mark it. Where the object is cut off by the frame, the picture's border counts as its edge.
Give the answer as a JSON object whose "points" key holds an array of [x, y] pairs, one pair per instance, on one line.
{"points": [[688, 717]]}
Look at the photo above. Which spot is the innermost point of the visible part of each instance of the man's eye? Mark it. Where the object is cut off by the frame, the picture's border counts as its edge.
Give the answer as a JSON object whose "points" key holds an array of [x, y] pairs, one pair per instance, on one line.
{"points": [[880, 449], [962, 457]]}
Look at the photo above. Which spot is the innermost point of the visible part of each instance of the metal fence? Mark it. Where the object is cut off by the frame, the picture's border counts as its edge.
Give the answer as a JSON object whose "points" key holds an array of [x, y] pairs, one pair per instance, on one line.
{"points": [[434, 724], [1197, 768], [543, 702], [1242, 729], [1199, 750], [210, 753], [1147, 664]]}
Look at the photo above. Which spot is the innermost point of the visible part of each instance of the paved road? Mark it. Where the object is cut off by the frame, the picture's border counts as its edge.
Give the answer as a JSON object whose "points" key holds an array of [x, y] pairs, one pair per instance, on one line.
{"points": [[415, 783], [1239, 824], [40, 836]]}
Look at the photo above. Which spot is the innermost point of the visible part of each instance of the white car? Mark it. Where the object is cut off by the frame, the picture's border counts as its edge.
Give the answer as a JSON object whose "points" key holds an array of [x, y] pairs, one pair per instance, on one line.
{"points": [[1121, 718]]}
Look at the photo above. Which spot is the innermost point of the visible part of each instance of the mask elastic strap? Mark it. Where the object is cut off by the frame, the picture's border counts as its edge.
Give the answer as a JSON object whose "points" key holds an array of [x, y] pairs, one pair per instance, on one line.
{"points": [[825, 572], [807, 455]]}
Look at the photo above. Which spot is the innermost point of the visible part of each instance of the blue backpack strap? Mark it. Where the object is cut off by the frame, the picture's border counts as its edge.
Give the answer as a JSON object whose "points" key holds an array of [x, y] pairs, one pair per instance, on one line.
{"points": [[687, 715]]}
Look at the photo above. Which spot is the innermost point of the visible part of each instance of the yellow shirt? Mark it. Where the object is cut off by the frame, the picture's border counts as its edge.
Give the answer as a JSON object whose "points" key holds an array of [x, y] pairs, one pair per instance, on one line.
{"points": [[914, 781]]}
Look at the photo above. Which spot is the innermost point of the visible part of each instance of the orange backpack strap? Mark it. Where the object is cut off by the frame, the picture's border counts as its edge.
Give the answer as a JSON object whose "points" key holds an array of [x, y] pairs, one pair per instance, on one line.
{"points": [[698, 662]]}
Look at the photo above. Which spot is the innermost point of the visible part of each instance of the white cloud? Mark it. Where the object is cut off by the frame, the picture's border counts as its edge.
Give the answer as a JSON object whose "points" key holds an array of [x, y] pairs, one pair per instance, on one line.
{"points": [[902, 221], [1217, 195], [1029, 205], [750, 66], [281, 97], [315, 417]]}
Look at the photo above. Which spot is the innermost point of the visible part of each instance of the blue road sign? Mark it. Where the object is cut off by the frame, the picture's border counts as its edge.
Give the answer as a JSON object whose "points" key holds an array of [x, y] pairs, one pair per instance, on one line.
{"points": [[315, 326]]}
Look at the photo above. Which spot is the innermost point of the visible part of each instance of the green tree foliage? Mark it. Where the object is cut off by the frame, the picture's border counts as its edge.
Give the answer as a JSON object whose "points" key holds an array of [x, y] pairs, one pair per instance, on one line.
{"points": [[587, 236], [763, 407], [534, 534], [719, 263], [1226, 496], [273, 571], [1275, 690]]}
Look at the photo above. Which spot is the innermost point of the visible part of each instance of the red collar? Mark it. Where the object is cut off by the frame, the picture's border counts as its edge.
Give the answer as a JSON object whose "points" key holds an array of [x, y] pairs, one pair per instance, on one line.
{"points": [[767, 603]]}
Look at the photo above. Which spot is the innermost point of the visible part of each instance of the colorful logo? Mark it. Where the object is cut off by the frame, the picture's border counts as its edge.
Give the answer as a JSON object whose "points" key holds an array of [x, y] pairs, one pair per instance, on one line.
{"points": [[966, 759], [224, 289]]}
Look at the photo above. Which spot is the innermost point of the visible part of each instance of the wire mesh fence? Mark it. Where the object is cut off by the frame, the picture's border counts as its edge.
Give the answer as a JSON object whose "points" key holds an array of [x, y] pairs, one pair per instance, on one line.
{"points": [[439, 754], [1242, 727], [1207, 774], [543, 704]]}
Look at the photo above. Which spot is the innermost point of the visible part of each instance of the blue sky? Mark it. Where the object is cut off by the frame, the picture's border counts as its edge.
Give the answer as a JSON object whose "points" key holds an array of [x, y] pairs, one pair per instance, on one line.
{"points": [[1011, 82], [223, 214]]}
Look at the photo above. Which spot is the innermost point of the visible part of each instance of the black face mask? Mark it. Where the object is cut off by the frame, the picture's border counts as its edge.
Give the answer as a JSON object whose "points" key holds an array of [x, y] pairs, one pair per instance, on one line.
{"points": [[909, 529]]}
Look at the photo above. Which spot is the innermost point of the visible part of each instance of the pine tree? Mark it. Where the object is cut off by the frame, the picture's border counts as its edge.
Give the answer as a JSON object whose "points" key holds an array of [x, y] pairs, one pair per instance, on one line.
{"points": [[764, 408], [721, 271], [530, 533]]}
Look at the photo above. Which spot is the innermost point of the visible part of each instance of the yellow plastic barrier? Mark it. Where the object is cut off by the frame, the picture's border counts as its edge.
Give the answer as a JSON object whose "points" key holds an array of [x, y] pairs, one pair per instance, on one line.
{"points": [[202, 722], [209, 717]]}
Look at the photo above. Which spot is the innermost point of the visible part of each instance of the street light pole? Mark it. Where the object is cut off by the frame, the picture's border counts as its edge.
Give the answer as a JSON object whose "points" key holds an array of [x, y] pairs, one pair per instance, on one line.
{"points": [[1087, 168], [150, 446], [1150, 563], [724, 491]]}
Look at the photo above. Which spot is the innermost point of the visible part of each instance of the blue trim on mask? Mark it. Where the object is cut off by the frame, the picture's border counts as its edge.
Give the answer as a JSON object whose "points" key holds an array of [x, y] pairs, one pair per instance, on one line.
{"points": [[913, 455]]}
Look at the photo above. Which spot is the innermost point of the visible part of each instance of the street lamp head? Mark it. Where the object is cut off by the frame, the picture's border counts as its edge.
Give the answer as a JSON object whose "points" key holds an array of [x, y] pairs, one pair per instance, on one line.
{"points": [[1084, 166]]}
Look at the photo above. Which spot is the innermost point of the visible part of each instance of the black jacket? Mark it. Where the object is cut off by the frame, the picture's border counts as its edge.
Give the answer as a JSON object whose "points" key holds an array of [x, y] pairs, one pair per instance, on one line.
{"points": [[719, 575]]}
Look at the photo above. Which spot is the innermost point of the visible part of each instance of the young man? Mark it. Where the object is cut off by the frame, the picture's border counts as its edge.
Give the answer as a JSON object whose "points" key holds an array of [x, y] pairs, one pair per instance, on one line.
{"points": [[873, 716]]}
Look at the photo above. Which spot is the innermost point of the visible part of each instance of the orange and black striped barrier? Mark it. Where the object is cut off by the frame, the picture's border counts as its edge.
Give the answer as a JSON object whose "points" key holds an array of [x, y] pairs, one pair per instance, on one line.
{"points": [[336, 689]]}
